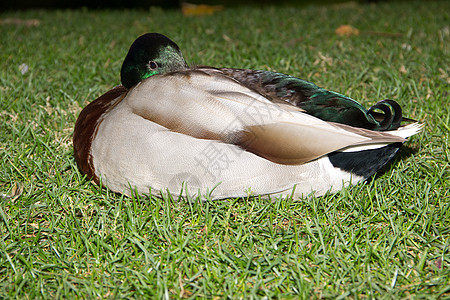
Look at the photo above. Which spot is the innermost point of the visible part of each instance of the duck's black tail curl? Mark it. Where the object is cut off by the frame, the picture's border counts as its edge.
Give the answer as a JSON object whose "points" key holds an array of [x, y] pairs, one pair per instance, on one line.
{"points": [[391, 116]]}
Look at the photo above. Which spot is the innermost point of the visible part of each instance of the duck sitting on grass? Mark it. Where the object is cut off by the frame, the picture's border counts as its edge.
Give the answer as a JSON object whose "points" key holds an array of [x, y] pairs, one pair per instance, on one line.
{"points": [[222, 132]]}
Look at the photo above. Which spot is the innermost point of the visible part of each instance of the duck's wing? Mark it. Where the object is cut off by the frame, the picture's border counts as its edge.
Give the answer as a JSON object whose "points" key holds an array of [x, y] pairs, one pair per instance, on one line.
{"points": [[206, 104], [326, 105]]}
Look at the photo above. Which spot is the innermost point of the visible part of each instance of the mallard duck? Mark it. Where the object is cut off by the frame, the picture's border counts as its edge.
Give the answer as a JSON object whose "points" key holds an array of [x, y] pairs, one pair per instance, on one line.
{"points": [[222, 132]]}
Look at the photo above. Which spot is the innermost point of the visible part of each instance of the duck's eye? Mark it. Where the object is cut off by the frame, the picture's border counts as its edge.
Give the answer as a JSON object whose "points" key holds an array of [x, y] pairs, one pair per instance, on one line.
{"points": [[152, 65]]}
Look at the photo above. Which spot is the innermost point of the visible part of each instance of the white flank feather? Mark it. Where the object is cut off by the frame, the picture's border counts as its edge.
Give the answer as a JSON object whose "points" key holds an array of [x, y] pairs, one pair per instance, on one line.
{"points": [[408, 130]]}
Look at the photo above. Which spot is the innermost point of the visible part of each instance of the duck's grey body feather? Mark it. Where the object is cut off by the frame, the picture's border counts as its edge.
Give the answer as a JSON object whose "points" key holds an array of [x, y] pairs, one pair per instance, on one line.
{"points": [[221, 132], [185, 127]]}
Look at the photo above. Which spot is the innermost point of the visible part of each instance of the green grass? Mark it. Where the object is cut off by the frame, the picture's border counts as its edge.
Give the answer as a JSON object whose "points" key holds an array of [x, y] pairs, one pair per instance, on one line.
{"points": [[63, 237]]}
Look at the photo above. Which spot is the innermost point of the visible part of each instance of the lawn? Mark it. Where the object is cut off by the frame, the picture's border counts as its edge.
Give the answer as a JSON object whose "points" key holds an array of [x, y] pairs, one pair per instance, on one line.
{"points": [[61, 236]]}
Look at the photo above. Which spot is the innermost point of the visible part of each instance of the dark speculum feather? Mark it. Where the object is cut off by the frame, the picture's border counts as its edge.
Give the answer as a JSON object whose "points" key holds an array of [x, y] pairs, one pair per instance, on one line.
{"points": [[326, 105]]}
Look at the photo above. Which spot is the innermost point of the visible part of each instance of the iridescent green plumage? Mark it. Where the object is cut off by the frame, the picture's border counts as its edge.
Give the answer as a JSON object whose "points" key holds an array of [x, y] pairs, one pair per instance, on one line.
{"points": [[326, 105], [150, 54]]}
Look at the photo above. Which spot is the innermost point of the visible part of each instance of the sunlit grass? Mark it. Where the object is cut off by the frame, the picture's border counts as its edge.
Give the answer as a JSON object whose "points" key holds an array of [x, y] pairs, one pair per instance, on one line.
{"points": [[62, 236]]}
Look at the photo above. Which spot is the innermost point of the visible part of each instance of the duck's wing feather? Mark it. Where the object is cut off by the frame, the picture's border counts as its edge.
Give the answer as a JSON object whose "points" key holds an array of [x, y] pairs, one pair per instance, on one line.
{"points": [[326, 105], [206, 104]]}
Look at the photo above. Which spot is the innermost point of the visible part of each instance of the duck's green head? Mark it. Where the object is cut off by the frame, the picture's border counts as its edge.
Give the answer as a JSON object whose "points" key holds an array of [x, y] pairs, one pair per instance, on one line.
{"points": [[150, 54]]}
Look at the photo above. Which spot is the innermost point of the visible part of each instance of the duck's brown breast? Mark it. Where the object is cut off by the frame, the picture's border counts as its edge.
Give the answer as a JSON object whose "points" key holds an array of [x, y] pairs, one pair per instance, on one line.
{"points": [[86, 128]]}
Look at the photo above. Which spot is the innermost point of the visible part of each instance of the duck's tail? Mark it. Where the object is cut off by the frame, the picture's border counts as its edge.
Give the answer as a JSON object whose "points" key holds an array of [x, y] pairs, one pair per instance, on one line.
{"points": [[365, 160], [390, 117]]}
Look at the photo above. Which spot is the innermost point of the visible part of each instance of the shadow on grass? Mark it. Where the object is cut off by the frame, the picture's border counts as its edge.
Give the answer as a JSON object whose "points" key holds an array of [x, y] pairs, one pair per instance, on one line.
{"points": [[402, 154]]}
